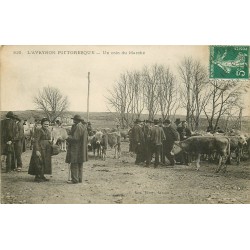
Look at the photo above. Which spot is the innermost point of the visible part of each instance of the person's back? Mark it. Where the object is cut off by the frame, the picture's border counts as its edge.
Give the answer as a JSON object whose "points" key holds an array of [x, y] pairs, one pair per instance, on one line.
{"points": [[77, 152], [171, 134], [20, 129], [3, 136], [10, 129], [8, 133], [137, 133], [157, 135]]}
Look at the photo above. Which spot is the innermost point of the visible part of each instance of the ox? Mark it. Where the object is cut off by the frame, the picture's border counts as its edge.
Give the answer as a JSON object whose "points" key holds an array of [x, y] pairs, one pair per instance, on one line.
{"points": [[59, 136], [114, 141], [236, 145], [90, 138], [124, 134], [248, 147], [205, 145], [27, 134], [96, 143]]}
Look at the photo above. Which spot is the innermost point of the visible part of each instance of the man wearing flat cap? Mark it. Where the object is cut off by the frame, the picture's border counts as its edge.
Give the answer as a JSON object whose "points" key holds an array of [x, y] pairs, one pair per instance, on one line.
{"points": [[171, 136], [77, 152]]}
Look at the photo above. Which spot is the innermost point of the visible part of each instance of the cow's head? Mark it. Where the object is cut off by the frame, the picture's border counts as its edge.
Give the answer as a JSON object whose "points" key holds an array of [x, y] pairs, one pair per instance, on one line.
{"points": [[242, 140], [176, 148]]}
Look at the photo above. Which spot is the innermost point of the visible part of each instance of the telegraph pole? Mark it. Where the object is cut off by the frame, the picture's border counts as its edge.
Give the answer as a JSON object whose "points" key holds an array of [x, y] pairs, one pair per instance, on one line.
{"points": [[88, 97], [240, 118]]}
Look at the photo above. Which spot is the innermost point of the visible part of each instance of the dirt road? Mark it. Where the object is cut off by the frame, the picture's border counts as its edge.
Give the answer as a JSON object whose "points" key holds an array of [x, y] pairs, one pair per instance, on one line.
{"points": [[121, 181]]}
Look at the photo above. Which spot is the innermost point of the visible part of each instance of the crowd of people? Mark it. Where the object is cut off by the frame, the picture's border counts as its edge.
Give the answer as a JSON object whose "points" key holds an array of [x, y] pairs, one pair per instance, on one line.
{"points": [[12, 147], [148, 139], [156, 138], [12, 141]]}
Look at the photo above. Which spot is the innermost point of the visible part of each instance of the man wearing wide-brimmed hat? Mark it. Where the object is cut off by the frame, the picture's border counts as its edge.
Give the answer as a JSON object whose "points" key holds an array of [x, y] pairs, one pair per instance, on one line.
{"points": [[137, 140], [171, 136], [157, 137], [8, 133], [148, 147], [177, 122], [77, 152], [185, 133]]}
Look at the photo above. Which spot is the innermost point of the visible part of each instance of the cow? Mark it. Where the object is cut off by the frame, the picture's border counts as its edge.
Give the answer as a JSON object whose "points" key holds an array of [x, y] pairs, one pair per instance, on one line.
{"points": [[124, 134], [59, 136], [236, 145], [205, 145], [106, 130], [90, 137], [27, 134], [96, 143], [247, 146], [112, 139]]}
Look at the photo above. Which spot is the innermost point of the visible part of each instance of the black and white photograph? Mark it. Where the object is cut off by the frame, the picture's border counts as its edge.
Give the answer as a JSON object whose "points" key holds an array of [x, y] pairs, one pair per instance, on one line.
{"points": [[125, 124]]}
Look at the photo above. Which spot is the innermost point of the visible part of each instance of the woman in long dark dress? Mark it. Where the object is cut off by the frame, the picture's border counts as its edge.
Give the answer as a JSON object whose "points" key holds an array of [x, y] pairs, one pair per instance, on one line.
{"points": [[40, 162]]}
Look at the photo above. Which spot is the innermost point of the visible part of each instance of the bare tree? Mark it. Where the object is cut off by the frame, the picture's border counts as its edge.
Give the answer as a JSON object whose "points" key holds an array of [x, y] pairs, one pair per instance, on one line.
{"points": [[194, 93], [136, 94], [169, 100], [153, 89], [200, 94], [186, 74], [151, 82], [126, 97], [232, 118], [225, 97], [52, 102]]}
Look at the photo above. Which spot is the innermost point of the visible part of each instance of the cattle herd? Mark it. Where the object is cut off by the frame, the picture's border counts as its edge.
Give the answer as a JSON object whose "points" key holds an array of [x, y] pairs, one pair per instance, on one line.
{"points": [[98, 140], [201, 146], [218, 147]]}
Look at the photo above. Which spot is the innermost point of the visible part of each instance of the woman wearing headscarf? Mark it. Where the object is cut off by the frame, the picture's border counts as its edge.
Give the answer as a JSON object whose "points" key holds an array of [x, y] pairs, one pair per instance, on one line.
{"points": [[40, 162]]}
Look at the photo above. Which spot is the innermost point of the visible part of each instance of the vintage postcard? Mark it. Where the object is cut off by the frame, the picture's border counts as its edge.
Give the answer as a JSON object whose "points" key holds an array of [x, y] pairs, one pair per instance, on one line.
{"points": [[125, 124]]}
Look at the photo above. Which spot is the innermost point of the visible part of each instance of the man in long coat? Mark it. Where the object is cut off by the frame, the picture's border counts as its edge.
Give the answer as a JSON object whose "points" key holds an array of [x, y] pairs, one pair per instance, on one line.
{"points": [[171, 136], [184, 133], [157, 137], [77, 152], [8, 133], [148, 147], [138, 141], [18, 144]]}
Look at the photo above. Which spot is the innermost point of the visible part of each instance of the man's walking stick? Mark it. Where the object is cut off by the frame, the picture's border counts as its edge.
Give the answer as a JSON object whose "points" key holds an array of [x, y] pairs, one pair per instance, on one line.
{"points": [[14, 156], [69, 173]]}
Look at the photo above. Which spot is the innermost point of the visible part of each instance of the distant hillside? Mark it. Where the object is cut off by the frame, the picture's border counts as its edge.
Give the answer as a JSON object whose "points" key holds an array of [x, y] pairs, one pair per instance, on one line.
{"points": [[108, 119], [38, 114]]}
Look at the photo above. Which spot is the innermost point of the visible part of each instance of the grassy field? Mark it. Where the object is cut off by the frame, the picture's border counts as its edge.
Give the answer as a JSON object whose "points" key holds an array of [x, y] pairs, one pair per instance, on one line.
{"points": [[108, 119]]}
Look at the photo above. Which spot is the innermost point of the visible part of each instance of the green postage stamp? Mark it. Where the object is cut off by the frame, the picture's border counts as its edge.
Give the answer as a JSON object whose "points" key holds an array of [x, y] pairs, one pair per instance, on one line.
{"points": [[229, 62]]}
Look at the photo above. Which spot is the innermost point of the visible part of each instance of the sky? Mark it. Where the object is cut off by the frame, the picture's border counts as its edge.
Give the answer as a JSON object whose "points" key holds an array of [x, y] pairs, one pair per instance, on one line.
{"points": [[27, 69]]}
